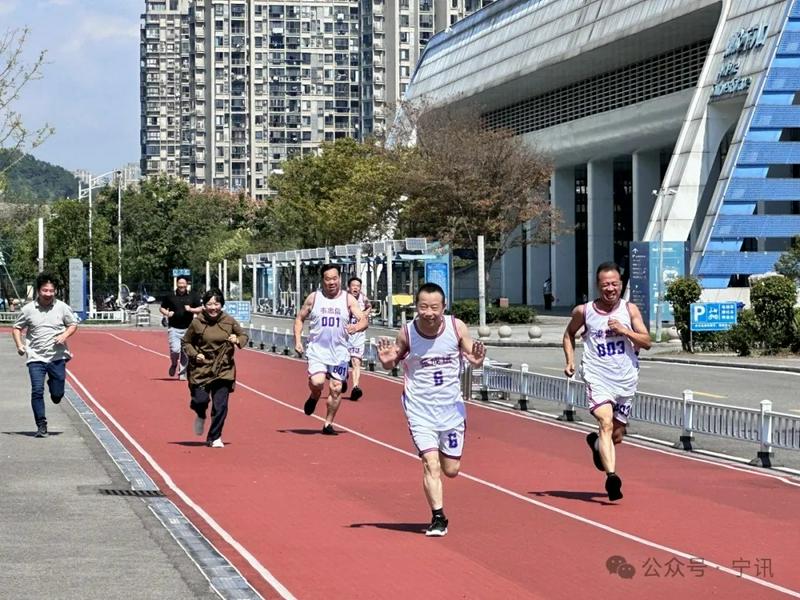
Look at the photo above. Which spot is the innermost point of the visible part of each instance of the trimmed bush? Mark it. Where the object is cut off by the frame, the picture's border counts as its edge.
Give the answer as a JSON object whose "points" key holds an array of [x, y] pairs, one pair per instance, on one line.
{"points": [[743, 337], [681, 292], [466, 310], [773, 301], [469, 312]]}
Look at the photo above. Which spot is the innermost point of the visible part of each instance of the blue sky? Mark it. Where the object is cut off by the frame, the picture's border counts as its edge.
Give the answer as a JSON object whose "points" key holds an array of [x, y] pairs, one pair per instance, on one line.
{"points": [[90, 86]]}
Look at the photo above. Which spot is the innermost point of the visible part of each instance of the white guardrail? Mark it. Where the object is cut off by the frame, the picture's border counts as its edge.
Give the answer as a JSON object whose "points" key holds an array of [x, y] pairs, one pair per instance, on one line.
{"points": [[761, 426]]}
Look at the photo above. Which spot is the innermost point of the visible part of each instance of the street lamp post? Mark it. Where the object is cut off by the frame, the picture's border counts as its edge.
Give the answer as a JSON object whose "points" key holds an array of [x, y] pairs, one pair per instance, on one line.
{"points": [[86, 192], [119, 237]]}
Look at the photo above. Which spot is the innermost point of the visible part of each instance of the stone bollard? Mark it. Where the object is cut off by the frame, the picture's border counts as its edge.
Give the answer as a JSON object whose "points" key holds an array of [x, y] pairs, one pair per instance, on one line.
{"points": [[673, 337], [535, 332], [504, 332], [484, 332]]}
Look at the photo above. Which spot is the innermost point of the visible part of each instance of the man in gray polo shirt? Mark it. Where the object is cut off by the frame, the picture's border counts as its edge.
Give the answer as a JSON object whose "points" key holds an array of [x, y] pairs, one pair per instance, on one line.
{"points": [[47, 323]]}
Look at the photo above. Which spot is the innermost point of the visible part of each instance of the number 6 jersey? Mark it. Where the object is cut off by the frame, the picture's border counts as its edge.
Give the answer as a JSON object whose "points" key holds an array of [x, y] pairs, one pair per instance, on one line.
{"points": [[432, 370], [609, 359]]}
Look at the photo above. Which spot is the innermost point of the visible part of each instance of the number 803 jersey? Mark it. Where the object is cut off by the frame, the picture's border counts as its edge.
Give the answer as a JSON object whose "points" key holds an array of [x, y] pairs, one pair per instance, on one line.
{"points": [[609, 359]]}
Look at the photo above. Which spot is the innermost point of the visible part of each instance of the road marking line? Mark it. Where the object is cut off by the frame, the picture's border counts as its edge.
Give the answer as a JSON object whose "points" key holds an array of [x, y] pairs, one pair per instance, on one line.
{"points": [[243, 552], [708, 394]]}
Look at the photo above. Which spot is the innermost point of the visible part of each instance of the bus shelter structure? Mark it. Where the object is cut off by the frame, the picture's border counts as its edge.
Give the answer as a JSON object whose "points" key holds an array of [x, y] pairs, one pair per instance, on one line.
{"points": [[287, 275]]}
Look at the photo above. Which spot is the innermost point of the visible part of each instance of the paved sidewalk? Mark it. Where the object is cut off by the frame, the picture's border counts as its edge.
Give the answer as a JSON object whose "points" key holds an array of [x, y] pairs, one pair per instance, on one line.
{"points": [[59, 537]]}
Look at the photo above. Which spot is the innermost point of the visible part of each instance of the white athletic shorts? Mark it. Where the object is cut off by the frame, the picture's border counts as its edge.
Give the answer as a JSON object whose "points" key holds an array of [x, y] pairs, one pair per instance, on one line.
{"points": [[356, 343], [333, 371], [450, 442], [597, 395]]}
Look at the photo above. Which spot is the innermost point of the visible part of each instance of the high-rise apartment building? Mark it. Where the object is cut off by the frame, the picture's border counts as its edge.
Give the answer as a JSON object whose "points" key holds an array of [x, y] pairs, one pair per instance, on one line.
{"points": [[232, 88]]}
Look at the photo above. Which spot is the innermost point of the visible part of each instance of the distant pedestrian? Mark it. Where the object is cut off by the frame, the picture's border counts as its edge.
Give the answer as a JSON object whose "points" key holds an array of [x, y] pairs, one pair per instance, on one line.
{"points": [[547, 291], [357, 341], [210, 343], [179, 309], [48, 323], [613, 333]]}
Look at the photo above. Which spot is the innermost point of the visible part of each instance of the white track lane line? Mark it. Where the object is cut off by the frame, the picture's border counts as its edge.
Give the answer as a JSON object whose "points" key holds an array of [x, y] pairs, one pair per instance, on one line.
{"points": [[544, 421], [550, 423], [243, 552], [513, 494]]}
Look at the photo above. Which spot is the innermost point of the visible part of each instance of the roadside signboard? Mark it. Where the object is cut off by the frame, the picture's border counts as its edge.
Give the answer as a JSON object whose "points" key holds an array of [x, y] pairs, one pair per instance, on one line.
{"points": [[712, 316]]}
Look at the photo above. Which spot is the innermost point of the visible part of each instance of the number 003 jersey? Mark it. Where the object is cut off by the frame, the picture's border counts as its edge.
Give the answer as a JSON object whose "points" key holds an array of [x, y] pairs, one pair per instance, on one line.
{"points": [[432, 369], [609, 359]]}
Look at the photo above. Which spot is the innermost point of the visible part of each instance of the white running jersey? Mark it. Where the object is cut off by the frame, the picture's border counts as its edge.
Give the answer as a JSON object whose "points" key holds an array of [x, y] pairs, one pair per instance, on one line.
{"points": [[359, 338], [608, 359], [432, 370], [327, 338]]}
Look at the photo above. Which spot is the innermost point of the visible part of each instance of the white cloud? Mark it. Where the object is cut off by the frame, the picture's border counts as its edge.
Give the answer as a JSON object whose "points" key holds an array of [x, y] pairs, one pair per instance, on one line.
{"points": [[8, 6], [95, 28]]}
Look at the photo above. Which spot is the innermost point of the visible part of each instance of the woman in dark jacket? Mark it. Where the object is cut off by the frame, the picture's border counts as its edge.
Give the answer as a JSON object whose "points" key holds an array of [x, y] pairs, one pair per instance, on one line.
{"points": [[209, 343]]}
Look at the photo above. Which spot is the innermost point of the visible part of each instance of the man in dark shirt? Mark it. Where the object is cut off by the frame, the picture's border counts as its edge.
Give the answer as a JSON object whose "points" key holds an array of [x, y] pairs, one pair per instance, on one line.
{"points": [[179, 309]]}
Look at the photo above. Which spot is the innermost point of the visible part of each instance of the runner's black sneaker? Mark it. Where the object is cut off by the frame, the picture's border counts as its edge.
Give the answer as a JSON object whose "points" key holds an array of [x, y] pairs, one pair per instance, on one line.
{"points": [[329, 430], [614, 487], [437, 528], [591, 439], [310, 405], [41, 431], [356, 393], [56, 399]]}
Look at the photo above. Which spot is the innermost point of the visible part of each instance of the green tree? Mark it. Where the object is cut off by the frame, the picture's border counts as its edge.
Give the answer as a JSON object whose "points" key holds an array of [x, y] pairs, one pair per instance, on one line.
{"points": [[346, 193], [789, 262], [464, 179]]}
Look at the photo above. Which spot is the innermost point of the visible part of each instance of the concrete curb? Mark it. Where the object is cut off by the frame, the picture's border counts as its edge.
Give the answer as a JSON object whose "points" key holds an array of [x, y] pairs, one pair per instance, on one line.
{"points": [[719, 363]]}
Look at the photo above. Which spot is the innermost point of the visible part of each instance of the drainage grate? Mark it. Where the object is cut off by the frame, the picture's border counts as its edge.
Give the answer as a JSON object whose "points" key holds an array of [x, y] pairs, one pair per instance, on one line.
{"points": [[133, 493]]}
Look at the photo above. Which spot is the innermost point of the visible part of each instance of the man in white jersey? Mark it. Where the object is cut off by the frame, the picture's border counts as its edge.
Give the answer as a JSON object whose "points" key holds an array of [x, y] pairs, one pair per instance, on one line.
{"points": [[613, 334], [357, 341], [431, 348], [330, 309]]}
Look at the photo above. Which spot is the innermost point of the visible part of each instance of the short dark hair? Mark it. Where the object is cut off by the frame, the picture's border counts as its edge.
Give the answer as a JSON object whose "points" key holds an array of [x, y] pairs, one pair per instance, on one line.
{"points": [[44, 278], [430, 288], [330, 266], [608, 266], [184, 277], [214, 293], [352, 279]]}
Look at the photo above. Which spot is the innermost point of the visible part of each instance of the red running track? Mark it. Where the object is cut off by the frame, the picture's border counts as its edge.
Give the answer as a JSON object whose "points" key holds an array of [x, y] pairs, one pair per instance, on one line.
{"points": [[342, 517]]}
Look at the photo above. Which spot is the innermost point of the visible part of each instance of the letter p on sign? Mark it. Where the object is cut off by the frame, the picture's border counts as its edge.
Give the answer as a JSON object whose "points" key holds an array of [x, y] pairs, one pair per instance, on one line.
{"points": [[698, 310]]}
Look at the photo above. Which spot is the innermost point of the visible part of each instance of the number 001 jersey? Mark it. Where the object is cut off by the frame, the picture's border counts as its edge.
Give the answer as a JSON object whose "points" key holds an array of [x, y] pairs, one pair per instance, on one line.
{"points": [[327, 338], [432, 369], [609, 360]]}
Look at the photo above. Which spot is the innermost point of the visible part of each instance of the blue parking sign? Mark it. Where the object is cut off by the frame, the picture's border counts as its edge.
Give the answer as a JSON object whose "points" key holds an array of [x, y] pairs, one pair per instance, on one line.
{"points": [[712, 316], [239, 310]]}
